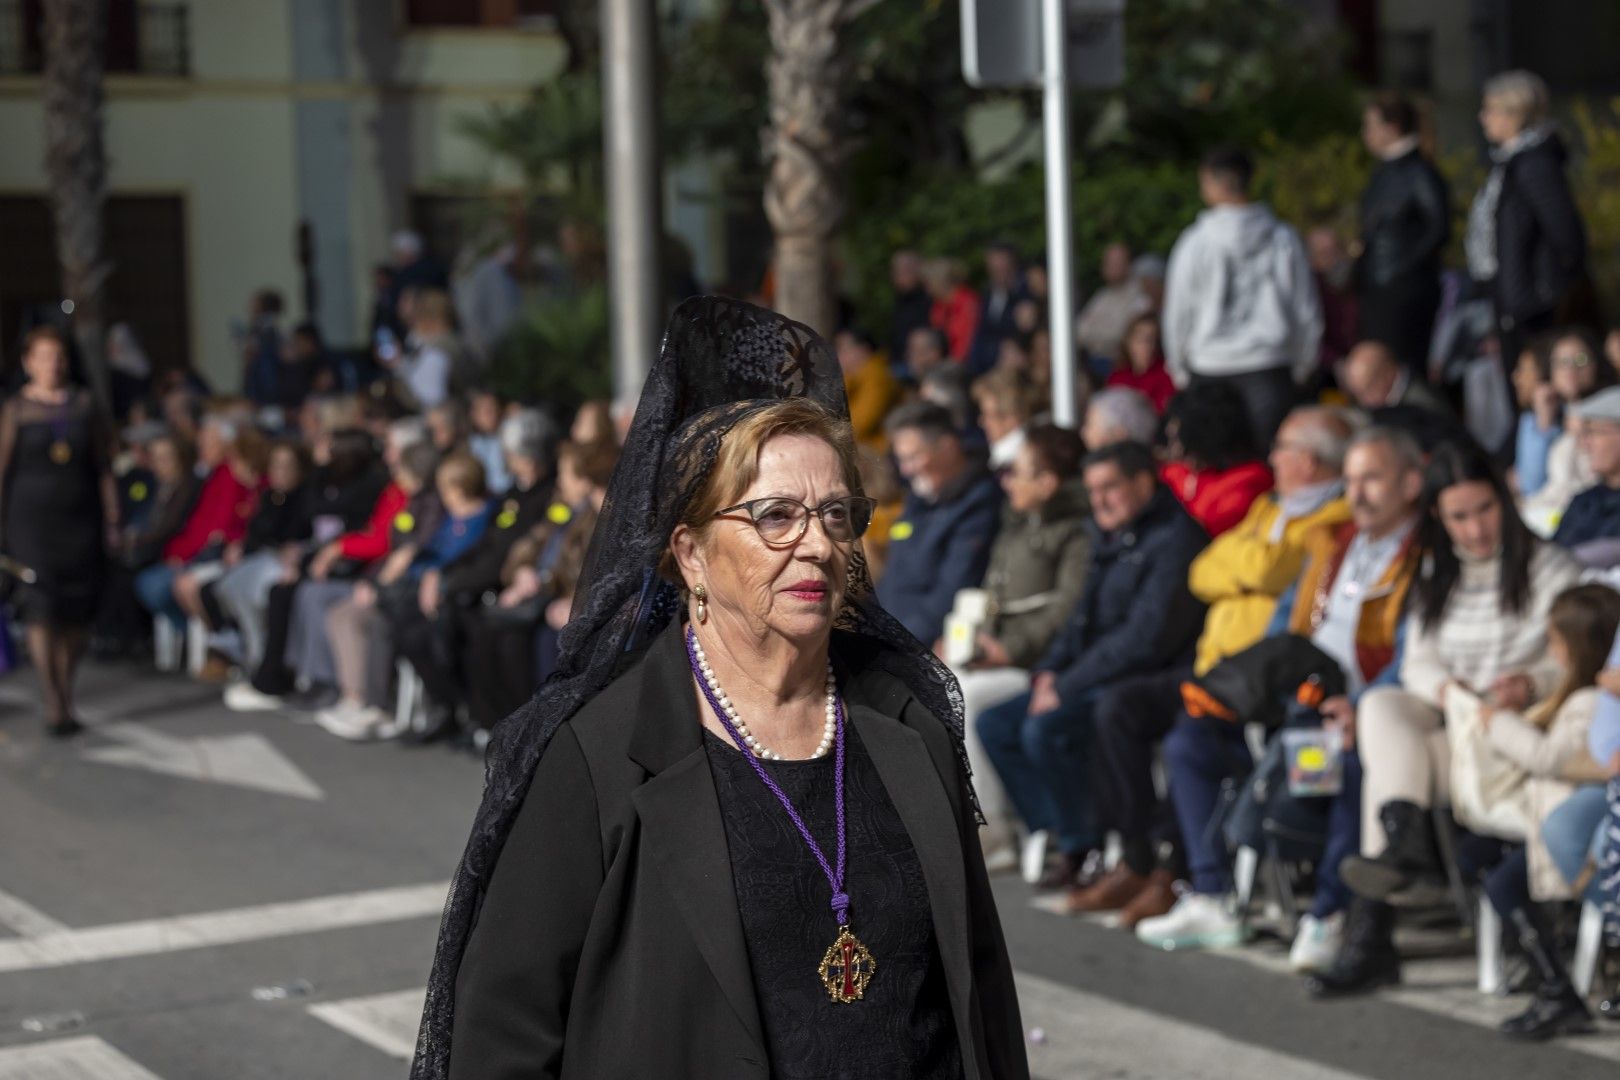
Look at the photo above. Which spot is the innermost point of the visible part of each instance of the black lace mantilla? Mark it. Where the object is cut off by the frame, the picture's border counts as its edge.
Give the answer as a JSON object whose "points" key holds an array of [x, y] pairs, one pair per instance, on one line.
{"points": [[720, 360]]}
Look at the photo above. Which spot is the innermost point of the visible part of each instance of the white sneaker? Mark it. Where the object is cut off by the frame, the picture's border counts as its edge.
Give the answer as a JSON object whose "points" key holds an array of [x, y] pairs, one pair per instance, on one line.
{"points": [[344, 712], [1032, 863], [359, 725], [1316, 945], [241, 697], [1198, 921]]}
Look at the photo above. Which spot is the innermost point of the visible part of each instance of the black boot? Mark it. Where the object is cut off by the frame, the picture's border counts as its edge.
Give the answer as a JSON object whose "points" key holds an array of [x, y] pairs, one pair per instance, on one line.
{"points": [[1555, 1009], [1407, 872], [1367, 960]]}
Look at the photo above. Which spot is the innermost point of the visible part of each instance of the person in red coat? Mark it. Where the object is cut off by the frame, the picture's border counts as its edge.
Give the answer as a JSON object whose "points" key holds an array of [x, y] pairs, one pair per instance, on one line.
{"points": [[956, 306], [1214, 470], [1141, 364]]}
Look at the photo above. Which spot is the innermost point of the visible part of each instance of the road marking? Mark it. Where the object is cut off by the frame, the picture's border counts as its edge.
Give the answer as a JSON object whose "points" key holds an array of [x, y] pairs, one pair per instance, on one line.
{"points": [[151, 936], [25, 918], [387, 1022], [83, 1057], [1089, 1035], [242, 760]]}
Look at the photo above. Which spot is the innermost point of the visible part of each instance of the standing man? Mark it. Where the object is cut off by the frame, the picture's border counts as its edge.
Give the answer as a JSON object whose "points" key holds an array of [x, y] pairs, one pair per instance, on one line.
{"points": [[1405, 223], [1240, 301], [912, 304], [1003, 289]]}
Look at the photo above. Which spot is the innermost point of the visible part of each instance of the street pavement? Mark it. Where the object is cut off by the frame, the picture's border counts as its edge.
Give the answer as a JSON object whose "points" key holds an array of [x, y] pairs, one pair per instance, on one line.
{"points": [[189, 894]]}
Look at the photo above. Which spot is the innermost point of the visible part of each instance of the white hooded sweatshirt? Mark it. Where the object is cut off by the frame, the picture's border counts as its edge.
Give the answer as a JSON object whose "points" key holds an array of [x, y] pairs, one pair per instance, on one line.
{"points": [[1240, 297]]}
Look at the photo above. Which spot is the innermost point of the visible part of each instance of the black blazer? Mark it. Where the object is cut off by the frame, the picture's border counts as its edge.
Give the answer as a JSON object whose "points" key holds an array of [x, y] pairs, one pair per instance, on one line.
{"points": [[609, 944], [1540, 238]]}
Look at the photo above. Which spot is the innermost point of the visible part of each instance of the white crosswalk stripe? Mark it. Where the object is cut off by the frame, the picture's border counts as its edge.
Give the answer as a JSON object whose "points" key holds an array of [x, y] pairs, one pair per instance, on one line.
{"points": [[387, 1022], [83, 1057]]}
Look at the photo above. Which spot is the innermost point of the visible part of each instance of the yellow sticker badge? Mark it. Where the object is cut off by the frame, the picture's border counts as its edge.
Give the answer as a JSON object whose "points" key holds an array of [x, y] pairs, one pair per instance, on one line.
{"points": [[559, 514], [137, 491], [1312, 759], [901, 530], [508, 515], [404, 521]]}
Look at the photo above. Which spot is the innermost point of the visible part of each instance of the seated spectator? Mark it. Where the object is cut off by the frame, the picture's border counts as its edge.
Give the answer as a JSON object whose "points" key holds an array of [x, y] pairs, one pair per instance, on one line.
{"points": [[1478, 624], [592, 423], [220, 517], [870, 386], [1375, 380], [1537, 408], [305, 368], [267, 553], [508, 647], [411, 605], [1119, 415], [1590, 528], [485, 411], [1213, 469], [1349, 602], [956, 307], [1112, 310], [1141, 364], [447, 426], [1239, 576], [1135, 616], [1005, 403], [883, 487], [1548, 743], [1003, 292], [947, 387], [164, 496], [1036, 573], [1550, 467], [926, 349], [358, 634], [1332, 269], [941, 543]]}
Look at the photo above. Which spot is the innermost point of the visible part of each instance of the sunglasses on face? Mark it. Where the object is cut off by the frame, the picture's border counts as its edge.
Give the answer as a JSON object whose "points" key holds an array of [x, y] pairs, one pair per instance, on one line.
{"points": [[781, 521]]}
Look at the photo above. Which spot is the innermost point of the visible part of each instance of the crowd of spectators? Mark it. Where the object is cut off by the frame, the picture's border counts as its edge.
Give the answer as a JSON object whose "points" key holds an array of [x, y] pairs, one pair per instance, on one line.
{"points": [[1354, 500]]}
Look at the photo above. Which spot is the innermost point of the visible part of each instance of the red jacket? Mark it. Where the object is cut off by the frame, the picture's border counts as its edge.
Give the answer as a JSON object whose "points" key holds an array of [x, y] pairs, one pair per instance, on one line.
{"points": [[1218, 498], [221, 515], [1154, 383], [371, 543], [958, 316]]}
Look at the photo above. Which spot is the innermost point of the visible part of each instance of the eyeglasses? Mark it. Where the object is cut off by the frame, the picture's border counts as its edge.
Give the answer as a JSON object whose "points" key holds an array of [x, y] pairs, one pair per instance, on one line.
{"points": [[780, 521], [1577, 360]]}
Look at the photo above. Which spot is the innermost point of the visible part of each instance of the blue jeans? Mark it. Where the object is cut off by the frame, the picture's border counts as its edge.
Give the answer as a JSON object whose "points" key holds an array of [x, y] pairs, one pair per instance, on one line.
{"points": [[1044, 762], [154, 586], [1574, 831], [1200, 753], [1343, 840]]}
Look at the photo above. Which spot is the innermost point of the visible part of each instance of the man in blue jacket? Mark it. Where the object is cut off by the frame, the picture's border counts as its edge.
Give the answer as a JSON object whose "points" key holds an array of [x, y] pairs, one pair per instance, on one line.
{"points": [[942, 541], [1136, 615]]}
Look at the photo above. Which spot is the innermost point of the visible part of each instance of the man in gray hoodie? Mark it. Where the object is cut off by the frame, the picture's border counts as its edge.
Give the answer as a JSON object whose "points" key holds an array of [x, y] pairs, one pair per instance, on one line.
{"points": [[1240, 303]]}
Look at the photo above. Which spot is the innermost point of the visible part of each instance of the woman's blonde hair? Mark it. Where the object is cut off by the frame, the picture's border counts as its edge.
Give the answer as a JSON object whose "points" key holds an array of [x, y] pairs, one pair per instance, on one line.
{"points": [[1523, 92], [736, 463]]}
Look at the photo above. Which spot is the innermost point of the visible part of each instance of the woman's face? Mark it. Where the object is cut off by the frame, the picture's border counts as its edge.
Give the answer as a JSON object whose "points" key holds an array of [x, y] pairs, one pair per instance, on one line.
{"points": [[285, 474], [996, 422], [1499, 121], [1142, 346], [1557, 647], [1526, 378], [587, 427], [756, 590], [1574, 369], [1028, 486], [572, 488], [46, 364], [1472, 516], [211, 445]]}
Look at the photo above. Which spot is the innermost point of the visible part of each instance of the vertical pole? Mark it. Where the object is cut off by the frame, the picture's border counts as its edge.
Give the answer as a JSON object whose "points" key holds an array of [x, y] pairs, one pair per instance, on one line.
{"points": [[1059, 246], [630, 154]]}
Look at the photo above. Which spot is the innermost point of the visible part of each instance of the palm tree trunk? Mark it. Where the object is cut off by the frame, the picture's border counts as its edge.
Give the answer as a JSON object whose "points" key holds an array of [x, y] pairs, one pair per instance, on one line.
{"points": [[804, 195], [76, 165]]}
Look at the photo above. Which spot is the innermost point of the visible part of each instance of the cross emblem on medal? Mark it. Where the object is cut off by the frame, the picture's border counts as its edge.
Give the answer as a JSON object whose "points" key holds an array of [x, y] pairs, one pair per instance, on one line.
{"points": [[846, 968]]}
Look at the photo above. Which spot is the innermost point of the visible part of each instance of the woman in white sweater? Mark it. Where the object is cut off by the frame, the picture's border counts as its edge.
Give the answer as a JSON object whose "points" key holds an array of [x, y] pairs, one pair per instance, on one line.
{"points": [[1478, 622]]}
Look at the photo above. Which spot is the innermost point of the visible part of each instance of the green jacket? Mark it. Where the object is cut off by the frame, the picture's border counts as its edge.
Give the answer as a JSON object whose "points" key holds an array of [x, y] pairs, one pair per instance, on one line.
{"points": [[1037, 571]]}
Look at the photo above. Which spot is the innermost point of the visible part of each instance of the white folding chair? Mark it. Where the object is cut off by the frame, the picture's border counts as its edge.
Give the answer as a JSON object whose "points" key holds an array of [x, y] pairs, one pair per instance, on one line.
{"points": [[196, 646], [1588, 948], [167, 645]]}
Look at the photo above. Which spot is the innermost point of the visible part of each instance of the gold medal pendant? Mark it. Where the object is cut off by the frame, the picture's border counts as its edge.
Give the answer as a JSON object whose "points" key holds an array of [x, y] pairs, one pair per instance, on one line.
{"points": [[61, 452], [847, 968]]}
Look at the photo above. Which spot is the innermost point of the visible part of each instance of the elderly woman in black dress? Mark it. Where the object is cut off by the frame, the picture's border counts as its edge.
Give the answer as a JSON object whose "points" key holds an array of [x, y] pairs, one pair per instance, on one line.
{"points": [[749, 851], [58, 507]]}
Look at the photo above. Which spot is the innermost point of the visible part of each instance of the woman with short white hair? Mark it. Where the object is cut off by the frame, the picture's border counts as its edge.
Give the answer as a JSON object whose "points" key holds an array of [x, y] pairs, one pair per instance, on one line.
{"points": [[1118, 414], [1526, 243]]}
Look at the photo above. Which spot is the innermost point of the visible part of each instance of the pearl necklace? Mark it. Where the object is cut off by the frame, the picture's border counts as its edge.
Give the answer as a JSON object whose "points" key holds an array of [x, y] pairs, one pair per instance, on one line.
{"points": [[828, 731]]}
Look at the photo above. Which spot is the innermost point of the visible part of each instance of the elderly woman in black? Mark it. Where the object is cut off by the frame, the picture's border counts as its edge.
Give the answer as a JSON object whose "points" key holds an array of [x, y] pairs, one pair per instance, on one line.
{"points": [[732, 837]]}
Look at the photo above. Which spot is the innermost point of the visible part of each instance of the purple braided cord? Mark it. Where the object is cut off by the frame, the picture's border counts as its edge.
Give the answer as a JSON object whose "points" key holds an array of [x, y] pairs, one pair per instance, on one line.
{"points": [[840, 900]]}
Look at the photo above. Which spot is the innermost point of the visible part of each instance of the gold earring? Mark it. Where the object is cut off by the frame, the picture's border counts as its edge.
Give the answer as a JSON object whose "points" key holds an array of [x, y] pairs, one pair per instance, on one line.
{"points": [[701, 595]]}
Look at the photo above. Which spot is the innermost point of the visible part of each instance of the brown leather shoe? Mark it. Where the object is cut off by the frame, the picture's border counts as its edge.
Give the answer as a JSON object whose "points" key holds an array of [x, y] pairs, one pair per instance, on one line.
{"points": [[1156, 899], [1116, 888]]}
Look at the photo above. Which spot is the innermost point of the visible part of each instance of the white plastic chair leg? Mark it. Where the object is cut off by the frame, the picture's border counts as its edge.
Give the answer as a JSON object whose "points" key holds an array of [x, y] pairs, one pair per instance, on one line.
{"points": [[196, 646], [1245, 868], [1588, 948], [1488, 944], [166, 645], [405, 698]]}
